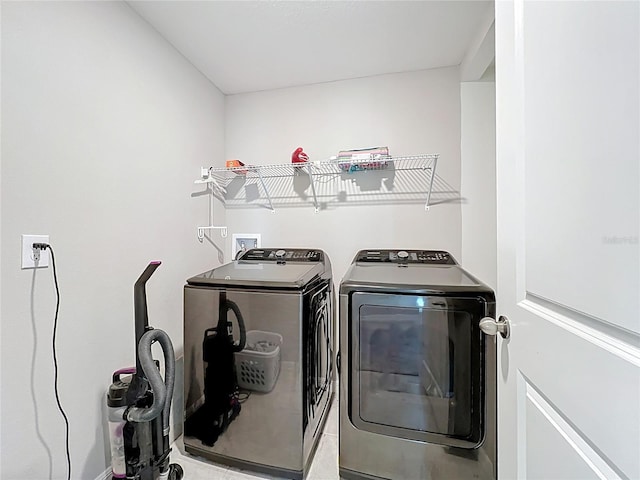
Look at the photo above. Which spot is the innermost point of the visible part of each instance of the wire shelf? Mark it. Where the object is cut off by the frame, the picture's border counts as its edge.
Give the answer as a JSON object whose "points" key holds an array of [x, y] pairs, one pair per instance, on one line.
{"points": [[338, 181], [224, 175]]}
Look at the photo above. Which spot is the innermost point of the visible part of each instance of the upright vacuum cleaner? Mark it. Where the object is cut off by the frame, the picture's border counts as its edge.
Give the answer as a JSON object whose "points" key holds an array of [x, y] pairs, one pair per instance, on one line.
{"points": [[139, 403], [221, 392]]}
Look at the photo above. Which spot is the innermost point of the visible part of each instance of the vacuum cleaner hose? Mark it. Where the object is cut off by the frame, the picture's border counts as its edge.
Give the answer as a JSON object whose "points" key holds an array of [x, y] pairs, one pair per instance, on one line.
{"points": [[162, 391]]}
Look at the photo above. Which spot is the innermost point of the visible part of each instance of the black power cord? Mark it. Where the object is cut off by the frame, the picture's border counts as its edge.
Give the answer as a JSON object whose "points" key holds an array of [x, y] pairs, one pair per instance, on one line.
{"points": [[44, 246]]}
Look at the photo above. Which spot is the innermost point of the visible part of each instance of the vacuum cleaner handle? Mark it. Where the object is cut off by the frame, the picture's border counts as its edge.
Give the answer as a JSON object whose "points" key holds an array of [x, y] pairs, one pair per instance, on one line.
{"points": [[140, 298], [142, 279], [223, 307], [243, 331], [140, 306]]}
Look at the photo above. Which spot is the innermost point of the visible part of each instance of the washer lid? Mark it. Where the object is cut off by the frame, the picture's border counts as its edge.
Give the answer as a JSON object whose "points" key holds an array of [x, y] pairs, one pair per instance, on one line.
{"points": [[290, 275], [440, 274]]}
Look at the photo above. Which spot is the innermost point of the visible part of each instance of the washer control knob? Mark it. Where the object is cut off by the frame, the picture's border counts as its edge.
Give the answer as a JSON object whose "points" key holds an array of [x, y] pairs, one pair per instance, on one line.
{"points": [[280, 253], [403, 254]]}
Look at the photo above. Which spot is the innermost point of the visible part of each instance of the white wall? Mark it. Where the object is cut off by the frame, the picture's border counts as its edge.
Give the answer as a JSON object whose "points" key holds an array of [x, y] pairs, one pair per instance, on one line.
{"points": [[104, 128], [478, 179], [411, 113]]}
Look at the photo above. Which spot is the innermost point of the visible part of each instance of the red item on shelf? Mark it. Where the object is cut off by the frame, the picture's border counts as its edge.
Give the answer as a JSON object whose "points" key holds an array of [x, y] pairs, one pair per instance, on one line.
{"points": [[298, 156]]}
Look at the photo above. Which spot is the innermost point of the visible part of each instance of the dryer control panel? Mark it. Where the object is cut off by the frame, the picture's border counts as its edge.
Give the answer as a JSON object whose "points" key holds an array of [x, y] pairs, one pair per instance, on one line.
{"points": [[434, 257], [281, 254]]}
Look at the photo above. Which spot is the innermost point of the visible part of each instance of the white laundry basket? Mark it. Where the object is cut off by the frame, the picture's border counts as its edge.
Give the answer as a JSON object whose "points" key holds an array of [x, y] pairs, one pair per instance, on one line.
{"points": [[258, 371]]}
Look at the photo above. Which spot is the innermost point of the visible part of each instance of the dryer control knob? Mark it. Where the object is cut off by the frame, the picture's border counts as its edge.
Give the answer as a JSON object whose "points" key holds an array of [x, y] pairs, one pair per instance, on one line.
{"points": [[280, 253], [402, 254]]}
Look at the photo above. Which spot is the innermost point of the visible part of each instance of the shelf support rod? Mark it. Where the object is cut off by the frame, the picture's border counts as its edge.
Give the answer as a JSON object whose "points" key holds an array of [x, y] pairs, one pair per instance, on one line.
{"points": [[266, 191], [433, 174], [313, 188]]}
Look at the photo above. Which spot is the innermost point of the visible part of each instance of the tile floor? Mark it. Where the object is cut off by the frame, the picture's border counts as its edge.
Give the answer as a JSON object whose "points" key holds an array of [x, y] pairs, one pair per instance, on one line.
{"points": [[323, 467]]}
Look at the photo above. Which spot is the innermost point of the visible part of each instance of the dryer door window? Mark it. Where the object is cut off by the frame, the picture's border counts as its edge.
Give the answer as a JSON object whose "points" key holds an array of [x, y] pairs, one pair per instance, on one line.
{"points": [[416, 367]]}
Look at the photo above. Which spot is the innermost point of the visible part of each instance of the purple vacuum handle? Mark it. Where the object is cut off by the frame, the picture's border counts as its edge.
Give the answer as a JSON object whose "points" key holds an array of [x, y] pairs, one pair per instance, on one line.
{"points": [[140, 300], [140, 307], [147, 273], [123, 371]]}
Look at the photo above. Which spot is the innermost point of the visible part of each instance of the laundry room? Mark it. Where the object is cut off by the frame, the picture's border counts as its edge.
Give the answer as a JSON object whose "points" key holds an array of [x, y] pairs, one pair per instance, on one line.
{"points": [[215, 189]]}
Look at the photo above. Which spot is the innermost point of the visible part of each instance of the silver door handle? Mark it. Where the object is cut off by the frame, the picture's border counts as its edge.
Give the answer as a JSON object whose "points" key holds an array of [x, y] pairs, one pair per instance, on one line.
{"points": [[491, 326]]}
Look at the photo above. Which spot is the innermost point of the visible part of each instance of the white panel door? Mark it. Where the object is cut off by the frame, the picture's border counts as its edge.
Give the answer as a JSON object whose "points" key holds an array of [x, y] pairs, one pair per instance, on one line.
{"points": [[568, 155]]}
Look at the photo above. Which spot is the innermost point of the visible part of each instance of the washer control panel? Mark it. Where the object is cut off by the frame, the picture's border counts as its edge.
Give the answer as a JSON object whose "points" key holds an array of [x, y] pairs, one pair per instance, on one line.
{"points": [[435, 257], [281, 255]]}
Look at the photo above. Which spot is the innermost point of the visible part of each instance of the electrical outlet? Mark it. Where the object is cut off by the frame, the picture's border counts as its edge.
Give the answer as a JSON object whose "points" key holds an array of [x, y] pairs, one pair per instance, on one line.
{"points": [[34, 258]]}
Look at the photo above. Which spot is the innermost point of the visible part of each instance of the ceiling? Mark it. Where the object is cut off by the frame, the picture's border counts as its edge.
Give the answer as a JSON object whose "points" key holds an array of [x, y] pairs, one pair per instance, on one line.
{"points": [[246, 46]]}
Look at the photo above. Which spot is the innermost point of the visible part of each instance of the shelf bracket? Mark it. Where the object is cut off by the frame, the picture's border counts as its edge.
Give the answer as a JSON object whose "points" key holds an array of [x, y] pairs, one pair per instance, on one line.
{"points": [[201, 231], [432, 167], [266, 191], [313, 188]]}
